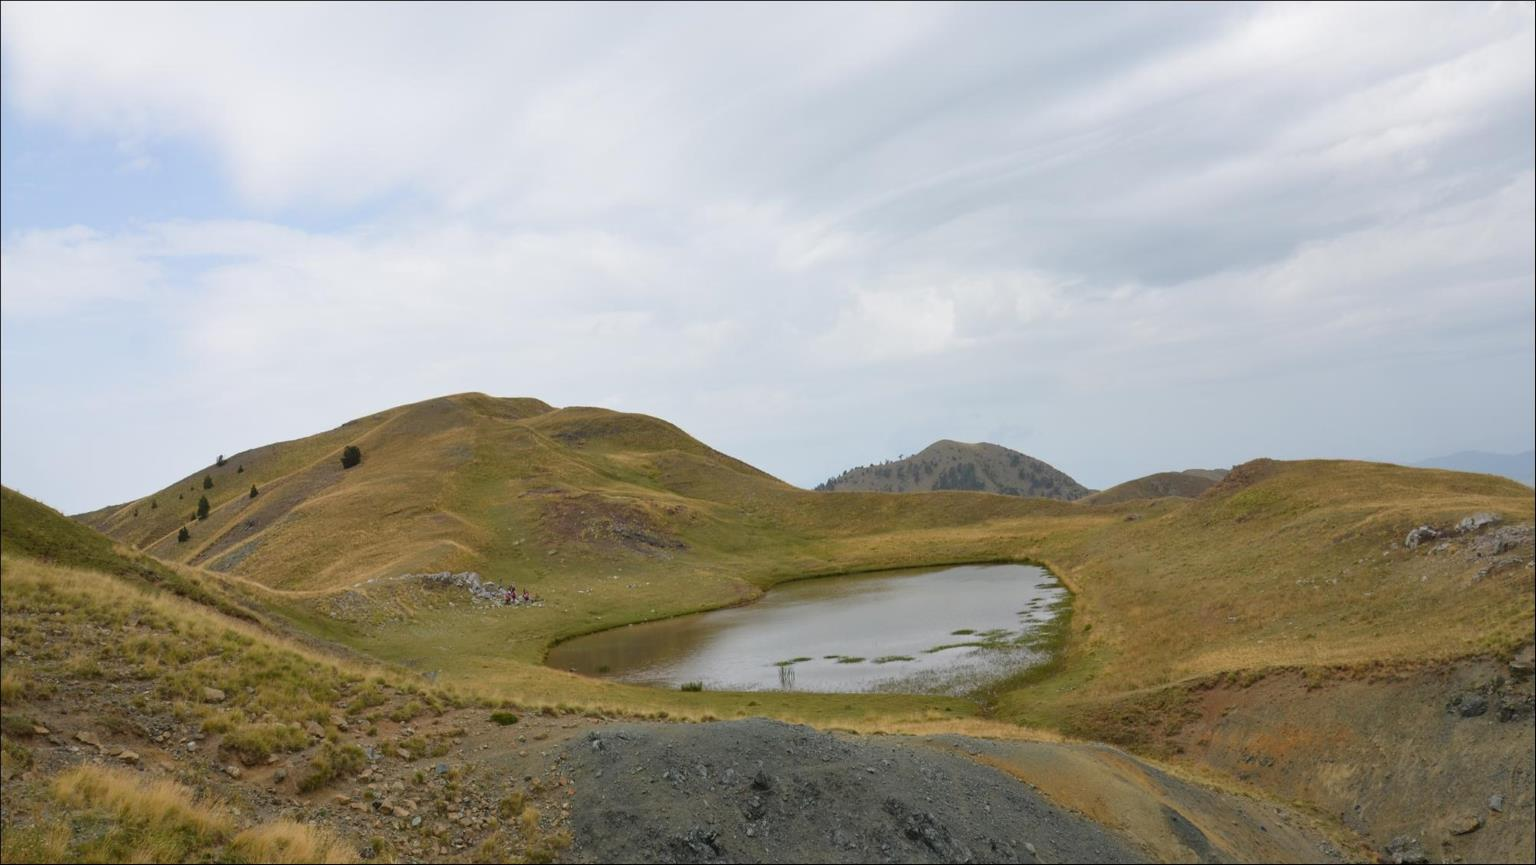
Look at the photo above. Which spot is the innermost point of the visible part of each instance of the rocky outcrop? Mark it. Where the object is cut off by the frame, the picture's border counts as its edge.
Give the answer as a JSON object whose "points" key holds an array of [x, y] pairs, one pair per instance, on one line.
{"points": [[479, 590]]}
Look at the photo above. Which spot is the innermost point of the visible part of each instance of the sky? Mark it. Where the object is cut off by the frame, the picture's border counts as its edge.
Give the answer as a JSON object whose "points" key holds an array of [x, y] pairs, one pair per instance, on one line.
{"points": [[1122, 239]]}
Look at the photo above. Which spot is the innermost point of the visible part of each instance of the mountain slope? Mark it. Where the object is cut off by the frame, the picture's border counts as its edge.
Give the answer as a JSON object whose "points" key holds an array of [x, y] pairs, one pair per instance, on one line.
{"points": [[195, 737], [455, 480], [1185, 484], [1520, 467], [951, 465], [1283, 569]]}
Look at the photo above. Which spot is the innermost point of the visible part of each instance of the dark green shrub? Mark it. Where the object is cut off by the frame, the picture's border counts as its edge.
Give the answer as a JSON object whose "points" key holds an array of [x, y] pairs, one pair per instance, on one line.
{"points": [[202, 508], [183, 536], [253, 491], [351, 455], [207, 482]]}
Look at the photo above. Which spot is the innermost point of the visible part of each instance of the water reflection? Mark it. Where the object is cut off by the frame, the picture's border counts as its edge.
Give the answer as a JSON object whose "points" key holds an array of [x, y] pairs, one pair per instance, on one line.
{"points": [[937, 630]]}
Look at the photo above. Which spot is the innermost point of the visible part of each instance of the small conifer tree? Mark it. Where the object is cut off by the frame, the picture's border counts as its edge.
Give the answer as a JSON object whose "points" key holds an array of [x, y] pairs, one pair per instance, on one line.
{"points": [[207, 482], [202, 508], [240, 469], [351, 455], [220, 461], [253, 491], [183, 535]]}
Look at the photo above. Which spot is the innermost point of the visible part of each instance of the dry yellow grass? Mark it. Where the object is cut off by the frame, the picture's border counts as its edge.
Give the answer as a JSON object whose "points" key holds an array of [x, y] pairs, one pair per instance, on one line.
{"points": [[287, 841], [106, 814], [160, 805]]}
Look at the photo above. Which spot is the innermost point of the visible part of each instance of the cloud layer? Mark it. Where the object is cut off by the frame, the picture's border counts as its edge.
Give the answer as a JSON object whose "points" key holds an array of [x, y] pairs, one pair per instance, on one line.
{"points": [[1123, 239]]}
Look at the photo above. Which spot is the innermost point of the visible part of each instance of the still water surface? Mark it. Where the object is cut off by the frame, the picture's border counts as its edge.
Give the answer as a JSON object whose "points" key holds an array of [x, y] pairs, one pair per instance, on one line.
{"points": [[892, 631]]}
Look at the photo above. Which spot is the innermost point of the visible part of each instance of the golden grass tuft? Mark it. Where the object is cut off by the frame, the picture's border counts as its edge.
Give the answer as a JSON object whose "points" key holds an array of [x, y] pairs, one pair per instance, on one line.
{"points": [[116, 815], [285, 841], [158, 805]]}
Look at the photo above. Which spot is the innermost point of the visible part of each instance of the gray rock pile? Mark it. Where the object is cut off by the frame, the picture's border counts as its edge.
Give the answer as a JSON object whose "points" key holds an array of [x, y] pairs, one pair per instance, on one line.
{"points": [[764, 791], [480, 590]]}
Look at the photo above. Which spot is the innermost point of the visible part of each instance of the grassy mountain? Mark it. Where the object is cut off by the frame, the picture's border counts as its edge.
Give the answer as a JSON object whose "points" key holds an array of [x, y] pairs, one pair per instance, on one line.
{"points": [[1185, 484], [1188, 613], [140, 724], [1520, 467], [622, 517], [951, 465]]}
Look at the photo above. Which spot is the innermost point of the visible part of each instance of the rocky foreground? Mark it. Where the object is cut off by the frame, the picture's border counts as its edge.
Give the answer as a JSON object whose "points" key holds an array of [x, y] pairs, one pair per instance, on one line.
{"points": [[764, 791]]}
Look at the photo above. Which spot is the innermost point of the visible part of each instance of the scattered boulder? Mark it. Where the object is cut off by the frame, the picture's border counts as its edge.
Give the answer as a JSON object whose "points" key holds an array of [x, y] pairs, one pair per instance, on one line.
{"points": [[1502, 540], [89, 738], [1421, 535], [1476, 523], [1404, 850], [925, 829], [1469, 705], [1522, 667], [1496, 803], [698, 845], [1466, 824], [129, 757], [233, 771], [1516, 707], [213, 695], [314, 729]]}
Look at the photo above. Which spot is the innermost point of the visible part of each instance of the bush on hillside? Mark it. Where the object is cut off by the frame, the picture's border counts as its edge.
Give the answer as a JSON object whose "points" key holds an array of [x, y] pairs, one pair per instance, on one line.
{"points": [[253, 491], [202, 508], [183, 536], [351, 455], [220, 461], [207, 482]]}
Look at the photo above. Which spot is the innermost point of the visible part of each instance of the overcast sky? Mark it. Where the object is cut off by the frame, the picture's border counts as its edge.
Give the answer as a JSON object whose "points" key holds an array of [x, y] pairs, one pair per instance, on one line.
{"points": [[1121, 239]]}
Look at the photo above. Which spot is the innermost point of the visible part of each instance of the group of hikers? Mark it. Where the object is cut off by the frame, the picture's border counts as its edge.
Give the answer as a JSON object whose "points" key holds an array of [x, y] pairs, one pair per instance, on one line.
{"points": [[509, 598]]}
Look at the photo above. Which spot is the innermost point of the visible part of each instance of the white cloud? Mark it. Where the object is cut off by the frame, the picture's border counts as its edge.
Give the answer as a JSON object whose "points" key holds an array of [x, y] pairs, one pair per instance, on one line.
{"points": [[913, 216], [44, 272]]}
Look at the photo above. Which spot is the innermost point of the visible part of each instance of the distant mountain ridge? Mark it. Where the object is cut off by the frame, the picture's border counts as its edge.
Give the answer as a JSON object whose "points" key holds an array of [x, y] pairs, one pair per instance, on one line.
{"points": [[1520, 467], [952, 465]]}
